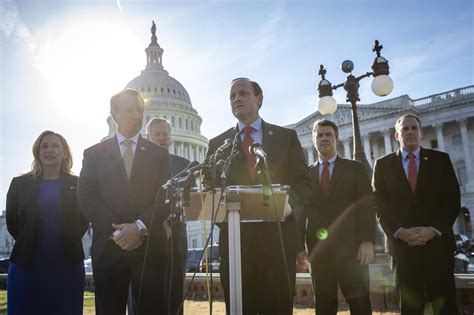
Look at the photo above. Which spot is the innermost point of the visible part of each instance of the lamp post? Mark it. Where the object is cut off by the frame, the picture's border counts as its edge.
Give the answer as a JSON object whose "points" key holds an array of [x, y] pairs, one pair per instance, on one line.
{"points": [[381, 86]]}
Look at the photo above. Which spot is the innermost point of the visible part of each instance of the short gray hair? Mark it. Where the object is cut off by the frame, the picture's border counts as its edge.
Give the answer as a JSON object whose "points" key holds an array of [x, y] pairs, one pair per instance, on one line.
{"points": [[155, 121], [402, 118]]}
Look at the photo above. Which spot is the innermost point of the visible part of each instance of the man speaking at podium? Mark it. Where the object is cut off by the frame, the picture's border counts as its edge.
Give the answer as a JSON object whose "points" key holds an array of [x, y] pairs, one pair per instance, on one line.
{"points": [[267, 287]]}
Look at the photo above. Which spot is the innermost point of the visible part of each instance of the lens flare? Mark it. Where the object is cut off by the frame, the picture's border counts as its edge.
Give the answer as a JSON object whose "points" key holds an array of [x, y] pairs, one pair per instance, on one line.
{"points": [[322, 234]]}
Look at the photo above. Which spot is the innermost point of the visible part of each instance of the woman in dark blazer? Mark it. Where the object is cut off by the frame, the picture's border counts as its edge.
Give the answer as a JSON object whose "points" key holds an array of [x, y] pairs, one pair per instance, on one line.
{"points": [[46, 273]]}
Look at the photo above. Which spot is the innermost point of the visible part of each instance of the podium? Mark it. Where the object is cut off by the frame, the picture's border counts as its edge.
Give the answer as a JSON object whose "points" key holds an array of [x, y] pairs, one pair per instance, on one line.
{"points": [[239, 204]]}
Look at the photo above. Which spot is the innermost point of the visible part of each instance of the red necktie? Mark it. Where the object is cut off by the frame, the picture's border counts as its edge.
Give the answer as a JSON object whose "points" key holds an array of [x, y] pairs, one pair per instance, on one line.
{"points": [[246, 143], [412, 171], [325, 178]]}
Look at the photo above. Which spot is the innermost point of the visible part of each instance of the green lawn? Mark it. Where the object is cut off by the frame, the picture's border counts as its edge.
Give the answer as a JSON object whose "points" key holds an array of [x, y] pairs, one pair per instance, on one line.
{"points": [[88, 302], [3, 302]]}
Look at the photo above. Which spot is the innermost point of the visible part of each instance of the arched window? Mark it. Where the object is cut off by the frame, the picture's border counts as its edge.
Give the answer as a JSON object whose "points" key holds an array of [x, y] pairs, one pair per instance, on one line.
{"points": [[186, 121], [180, 123], [172, 121]]}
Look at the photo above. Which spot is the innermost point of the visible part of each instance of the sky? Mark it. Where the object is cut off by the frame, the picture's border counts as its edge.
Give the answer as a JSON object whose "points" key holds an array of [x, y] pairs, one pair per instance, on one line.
{"points": [[60, 61]]}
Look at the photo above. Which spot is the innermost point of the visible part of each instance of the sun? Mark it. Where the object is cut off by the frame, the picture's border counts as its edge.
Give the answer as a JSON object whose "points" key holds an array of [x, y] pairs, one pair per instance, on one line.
{"points": [[85, 60]]}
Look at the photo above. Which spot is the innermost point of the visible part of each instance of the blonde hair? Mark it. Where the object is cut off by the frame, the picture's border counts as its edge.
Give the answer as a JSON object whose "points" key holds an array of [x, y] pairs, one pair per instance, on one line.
{"points": [[117, 99], [36, 166]]}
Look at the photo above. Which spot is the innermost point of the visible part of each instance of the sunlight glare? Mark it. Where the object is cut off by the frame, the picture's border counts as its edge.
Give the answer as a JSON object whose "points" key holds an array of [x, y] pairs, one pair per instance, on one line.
{"points": [[86, 61]]}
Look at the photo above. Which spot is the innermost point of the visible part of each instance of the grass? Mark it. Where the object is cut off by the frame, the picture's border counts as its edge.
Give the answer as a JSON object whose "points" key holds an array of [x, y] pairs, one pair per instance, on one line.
{"points": [[3, 302], [191, 307], [89, 300]]}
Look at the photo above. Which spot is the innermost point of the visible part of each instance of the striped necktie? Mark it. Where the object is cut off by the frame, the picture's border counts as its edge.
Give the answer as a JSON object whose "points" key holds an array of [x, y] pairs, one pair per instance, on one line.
{"points": [[128, 156]]}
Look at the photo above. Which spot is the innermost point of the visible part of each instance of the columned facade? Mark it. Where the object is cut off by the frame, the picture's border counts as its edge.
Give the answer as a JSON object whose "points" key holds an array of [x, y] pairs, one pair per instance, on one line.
{"points": [[447, 125]]}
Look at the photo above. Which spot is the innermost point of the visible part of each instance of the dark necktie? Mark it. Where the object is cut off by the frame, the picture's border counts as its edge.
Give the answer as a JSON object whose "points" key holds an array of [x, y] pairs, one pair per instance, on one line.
{"points": [[325, 178], [412, 171], [246, 143]]}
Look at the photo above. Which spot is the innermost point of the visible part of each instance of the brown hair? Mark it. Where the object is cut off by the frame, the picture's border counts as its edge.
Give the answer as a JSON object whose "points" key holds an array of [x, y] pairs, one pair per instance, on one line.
{"points": [[257, 90], [36, 166], [327, 123]]}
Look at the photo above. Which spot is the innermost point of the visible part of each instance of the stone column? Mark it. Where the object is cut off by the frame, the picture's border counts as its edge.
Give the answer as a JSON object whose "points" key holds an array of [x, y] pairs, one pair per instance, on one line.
{"points": [[439, 136], [467, 150], [387, 140], [375, 148], [347, 148], [395, 144], [310, 155], [366, 140], [183, 154]]}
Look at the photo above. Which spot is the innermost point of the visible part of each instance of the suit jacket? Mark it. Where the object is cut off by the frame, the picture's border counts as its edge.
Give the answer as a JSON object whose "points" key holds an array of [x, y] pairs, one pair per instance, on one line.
{"points": [[107, 196], [22, 218], [347, 212], [435, 203], [178, 164], [180, 241], [287, 164]]}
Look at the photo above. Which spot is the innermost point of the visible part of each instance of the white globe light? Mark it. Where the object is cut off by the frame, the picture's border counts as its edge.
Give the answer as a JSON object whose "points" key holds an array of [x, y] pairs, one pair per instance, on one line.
{"points": [[382, 85], [327, 105]]}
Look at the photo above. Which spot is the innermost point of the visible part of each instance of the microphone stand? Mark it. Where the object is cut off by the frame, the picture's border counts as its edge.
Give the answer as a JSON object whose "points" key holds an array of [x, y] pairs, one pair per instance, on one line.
{"points": [[268, 181], [223, 180]]}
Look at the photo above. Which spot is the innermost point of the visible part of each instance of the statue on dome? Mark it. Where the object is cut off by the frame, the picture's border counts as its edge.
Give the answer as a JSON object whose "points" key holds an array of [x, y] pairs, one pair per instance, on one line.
{"points": [[153, 33], [153, 28]]}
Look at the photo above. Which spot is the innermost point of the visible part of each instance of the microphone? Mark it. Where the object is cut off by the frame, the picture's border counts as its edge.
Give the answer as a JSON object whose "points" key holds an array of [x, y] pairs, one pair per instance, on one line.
{"points": [[191, 167], [256, 150], [227, 143]]}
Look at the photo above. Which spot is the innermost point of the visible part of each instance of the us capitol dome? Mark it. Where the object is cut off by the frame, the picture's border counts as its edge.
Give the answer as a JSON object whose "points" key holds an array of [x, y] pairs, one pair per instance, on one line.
{"points": [[165, 97]]}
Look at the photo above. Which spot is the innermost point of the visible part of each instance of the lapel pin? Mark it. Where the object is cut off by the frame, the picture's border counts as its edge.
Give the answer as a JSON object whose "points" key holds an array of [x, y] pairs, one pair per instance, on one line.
{"points": [[425, 158], [72, 187], [270, 132], [142, 148]]}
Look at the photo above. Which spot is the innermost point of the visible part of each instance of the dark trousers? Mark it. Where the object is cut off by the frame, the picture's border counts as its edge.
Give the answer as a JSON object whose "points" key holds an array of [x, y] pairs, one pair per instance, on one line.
{"points": [[265, 286], [425, 274], [329, 271], [177, 268], [112, 280]]}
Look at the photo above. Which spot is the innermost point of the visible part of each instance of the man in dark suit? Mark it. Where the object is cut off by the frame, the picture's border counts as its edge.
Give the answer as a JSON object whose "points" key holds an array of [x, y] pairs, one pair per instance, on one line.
{"points": [[341, 226], [418, 199], [159, 131], [118, 185], [267, 288]]}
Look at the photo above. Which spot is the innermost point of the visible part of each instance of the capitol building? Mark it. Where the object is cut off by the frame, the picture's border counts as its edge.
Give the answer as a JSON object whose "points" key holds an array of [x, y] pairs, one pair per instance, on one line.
{"points": [[166, 98], [447, 124]]}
